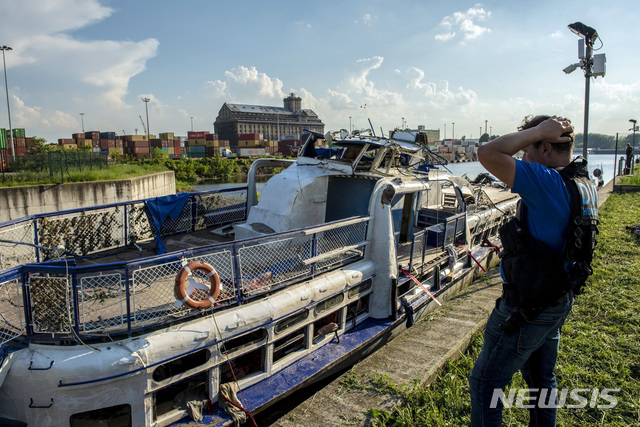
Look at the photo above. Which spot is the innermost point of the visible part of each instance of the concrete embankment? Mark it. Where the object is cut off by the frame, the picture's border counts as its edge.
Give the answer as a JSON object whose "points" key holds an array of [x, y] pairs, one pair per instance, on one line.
{"points": [[22, 201], [417, 354]]}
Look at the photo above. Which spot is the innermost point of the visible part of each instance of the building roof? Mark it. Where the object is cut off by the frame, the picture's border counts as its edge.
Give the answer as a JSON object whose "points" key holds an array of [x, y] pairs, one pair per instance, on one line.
{"points": [[257, 109]]}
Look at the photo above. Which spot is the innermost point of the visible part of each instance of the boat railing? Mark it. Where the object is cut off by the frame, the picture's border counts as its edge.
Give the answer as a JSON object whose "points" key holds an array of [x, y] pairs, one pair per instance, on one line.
{"points": [[62, 301], [88, 231]]}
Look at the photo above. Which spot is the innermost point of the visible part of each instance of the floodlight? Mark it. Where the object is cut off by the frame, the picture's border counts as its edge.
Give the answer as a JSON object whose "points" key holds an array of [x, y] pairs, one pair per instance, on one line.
{"points": [[571, 68], [588, 33]]}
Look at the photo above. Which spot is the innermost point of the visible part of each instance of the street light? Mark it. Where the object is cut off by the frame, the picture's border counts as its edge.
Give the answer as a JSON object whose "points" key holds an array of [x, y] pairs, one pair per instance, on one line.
{"points": [[191, 123], [146, 106], [349, 125], [593, 66], [82, 117], [6, 86], [453, 130]]}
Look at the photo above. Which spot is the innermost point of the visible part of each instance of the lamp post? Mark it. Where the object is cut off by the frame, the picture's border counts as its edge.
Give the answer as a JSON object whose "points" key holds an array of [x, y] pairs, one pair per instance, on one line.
{"points": [[6, 86], [445, 132], [589, 36], [349, 125], [146, 106], [453, 130], [191, 123], [82, 117]]}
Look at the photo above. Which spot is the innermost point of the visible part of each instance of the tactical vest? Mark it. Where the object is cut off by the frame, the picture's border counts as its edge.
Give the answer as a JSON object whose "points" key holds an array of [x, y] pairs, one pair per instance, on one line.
{"points": [[535, 276]]}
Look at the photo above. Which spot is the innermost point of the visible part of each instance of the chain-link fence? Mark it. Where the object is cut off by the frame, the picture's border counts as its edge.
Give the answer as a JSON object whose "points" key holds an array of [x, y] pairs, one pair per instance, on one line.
{"points": [[88, 231], [11, 310], [59, 164]]}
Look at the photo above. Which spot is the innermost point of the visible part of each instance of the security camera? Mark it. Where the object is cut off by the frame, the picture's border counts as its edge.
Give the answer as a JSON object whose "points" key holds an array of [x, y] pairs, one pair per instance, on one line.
{"points": [[571, 68]]}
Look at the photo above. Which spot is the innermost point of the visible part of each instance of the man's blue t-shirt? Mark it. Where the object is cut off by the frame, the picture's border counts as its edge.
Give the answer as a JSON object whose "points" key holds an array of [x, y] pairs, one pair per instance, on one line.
{"points": [[546, 198]]}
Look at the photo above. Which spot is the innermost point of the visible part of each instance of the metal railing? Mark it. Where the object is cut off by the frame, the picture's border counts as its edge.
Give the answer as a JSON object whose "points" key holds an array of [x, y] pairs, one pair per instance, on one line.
{"points": [[88, 231], [63, 301]]}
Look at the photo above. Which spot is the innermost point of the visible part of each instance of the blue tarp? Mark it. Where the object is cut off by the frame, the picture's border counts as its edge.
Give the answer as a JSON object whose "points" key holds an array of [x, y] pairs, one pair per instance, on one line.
{"points": [[162, 208]]}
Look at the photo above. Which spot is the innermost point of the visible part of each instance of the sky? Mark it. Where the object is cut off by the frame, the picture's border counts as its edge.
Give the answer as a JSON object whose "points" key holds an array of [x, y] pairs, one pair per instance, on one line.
{"points": [[457, 66]]}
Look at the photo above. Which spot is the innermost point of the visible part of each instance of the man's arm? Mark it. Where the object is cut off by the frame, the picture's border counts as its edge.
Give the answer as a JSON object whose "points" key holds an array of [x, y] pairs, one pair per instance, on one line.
{"points": [[497, 155]]}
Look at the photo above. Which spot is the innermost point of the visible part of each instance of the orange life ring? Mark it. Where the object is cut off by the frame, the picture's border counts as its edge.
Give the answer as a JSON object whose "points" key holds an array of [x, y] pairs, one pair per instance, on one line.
{"points": [[180, 288]]}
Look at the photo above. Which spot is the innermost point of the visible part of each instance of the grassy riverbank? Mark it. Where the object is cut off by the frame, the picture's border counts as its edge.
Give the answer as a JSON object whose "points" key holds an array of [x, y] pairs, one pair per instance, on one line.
{"points": [[599, 346]]}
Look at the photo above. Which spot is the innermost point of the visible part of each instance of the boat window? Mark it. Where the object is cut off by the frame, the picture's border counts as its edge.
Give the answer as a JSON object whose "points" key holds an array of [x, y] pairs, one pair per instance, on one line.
{"points": [[290, 343], [243, 366], [290, 321], [175, 396], [327, 320], [181, 364], [329, 303], [243, 340], [362, 287], [112, 416], [356, 309]]}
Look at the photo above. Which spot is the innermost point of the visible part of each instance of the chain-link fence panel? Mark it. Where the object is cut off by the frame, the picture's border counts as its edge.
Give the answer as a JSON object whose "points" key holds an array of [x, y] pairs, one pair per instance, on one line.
{"points": [[50, 303], [83, 233], [220, 208], [222, 263], [346, 242], [152, 287], [16, 245], [102, 303], [11, 311], [266, 264], [140, 223]]}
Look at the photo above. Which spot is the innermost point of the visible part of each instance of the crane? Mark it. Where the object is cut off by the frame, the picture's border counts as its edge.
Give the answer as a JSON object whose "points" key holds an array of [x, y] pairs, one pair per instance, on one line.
{"points": [[143, 126]]}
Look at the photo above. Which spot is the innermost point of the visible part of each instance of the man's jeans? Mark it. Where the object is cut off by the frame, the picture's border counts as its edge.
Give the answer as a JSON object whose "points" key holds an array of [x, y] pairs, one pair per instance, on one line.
{"points": [[533, 349]]}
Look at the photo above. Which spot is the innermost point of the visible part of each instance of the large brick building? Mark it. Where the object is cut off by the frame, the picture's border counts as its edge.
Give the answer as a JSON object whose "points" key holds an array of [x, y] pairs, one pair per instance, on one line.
{"points": [[272, 123]]}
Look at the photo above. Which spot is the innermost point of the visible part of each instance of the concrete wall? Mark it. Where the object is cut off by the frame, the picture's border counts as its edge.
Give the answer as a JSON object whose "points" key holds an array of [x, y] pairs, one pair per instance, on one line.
{"points": [[17, 202]]}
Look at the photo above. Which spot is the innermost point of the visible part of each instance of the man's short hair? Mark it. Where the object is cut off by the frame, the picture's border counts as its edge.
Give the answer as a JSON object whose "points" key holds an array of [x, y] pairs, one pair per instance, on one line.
{"points": [[533, 121]]}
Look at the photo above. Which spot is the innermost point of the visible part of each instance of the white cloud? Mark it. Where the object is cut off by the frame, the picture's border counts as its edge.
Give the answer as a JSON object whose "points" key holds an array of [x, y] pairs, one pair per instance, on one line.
{"points": [[466, 22], [262, 83]]}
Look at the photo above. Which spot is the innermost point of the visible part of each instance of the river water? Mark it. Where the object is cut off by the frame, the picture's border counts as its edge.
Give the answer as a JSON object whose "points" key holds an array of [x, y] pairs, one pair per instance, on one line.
{"points": [[604, 162]]}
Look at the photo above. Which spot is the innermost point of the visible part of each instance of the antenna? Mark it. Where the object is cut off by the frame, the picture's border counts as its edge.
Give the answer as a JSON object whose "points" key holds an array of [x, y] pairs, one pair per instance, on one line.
{"points": [[371, 125]]}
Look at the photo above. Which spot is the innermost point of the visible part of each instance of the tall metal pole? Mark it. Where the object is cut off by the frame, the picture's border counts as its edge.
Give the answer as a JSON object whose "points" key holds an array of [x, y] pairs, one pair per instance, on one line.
{"points": [[6, 86], [191, 123], [453, 130], [146, 106], [82, 117], [587, 75]]}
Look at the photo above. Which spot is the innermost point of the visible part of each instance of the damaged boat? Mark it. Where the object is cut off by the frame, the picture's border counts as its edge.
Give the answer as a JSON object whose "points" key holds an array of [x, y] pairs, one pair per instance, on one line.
{"points": [[163, 311]]}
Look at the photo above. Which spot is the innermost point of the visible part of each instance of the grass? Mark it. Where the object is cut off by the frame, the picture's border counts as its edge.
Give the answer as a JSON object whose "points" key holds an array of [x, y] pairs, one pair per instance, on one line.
{"points": [[599, 347], [113, 172]]}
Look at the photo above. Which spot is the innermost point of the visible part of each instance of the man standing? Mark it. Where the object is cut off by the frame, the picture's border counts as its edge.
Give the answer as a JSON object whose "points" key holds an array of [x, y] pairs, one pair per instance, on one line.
{"points": [[541, 265], [629, 153]]}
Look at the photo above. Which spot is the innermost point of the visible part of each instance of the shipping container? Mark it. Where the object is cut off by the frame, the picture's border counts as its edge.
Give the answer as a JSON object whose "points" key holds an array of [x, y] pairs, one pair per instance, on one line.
{"points": [[19, 142], [197, 155], [197, 141], [211, 136], [18, 133], [166, 135], [21, 151], [106, 143], [197, 135], [250, 136], [196, 149], [3, 139], [251, 152], [77, 136], [107, 135], [248, 143], [140, 150], [92, 135]]}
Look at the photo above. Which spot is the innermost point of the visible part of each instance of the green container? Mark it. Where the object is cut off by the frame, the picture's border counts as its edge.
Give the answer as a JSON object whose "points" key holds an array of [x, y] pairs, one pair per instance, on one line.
{"points": [[18, 133], [3, 139]]}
